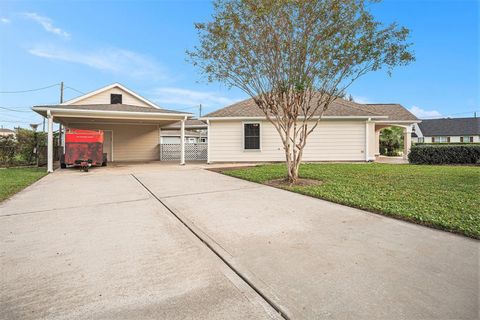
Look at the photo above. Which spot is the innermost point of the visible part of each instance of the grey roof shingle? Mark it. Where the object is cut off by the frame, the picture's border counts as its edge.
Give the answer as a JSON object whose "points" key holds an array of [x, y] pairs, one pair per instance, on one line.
{"points": [[394, 111], [112, 107], [450, 127], [338, 108]]}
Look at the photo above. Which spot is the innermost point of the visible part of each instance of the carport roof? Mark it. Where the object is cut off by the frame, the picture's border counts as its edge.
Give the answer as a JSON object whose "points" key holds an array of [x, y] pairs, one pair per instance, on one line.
{"points": [[109, 107]]}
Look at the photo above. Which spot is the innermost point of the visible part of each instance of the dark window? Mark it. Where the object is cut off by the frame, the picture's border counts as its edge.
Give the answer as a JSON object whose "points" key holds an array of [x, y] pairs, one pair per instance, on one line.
{"points": [[115, 98], [461, 139], [471, 139], [251, 136]]}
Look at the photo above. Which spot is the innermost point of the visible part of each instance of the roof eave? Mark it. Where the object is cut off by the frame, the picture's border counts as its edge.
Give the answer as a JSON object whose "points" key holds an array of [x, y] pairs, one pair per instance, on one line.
{"points": [[108, 113], [313, 118]]}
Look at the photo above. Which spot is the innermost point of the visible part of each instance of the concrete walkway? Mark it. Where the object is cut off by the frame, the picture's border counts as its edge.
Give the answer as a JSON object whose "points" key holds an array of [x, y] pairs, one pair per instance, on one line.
{"points": [[98, 245]]}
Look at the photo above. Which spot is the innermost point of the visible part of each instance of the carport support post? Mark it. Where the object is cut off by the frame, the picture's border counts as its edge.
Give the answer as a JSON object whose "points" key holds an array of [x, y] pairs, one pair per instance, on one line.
{"points": [[182, 142], [50, 142], [407, 141]]}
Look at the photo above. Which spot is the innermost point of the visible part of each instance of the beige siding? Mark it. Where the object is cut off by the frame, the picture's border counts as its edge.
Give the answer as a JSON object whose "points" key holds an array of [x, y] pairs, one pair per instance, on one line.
{"points": [[331, 141], [104, 98], [130, 142]]}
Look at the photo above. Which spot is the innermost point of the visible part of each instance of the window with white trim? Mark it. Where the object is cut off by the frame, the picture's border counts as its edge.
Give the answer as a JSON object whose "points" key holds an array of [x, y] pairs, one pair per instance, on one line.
{"points": [[441, 139], [251, 136]]}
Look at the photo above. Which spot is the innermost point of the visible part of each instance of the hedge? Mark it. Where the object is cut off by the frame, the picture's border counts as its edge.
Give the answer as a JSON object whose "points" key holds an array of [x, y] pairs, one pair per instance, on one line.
{"points": [[445, 154]]}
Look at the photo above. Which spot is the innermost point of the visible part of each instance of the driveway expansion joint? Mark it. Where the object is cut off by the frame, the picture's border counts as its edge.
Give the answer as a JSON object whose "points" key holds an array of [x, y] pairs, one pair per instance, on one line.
{"points": [[270, 302]]}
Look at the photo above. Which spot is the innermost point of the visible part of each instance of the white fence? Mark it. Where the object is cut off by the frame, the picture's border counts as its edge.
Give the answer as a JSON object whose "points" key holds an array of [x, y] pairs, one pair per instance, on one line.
{"points": [[193, 151]]}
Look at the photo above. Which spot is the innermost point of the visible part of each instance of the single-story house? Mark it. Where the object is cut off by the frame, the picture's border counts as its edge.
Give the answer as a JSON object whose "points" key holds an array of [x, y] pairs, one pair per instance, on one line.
{"points": [[348, 131], [131, 123], [447, 130], [195, 132], [133, 128]]}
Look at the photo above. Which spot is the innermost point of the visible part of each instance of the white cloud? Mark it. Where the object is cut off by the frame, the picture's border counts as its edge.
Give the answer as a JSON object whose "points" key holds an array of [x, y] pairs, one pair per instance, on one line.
{"points": [[187, 98], [5, 20], [422, 113], [111, 59], [47, 24]]}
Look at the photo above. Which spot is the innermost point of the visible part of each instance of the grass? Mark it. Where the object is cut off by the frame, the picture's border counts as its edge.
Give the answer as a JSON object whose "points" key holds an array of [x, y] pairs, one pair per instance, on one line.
{"points": [[13, 180], [444, 197]]}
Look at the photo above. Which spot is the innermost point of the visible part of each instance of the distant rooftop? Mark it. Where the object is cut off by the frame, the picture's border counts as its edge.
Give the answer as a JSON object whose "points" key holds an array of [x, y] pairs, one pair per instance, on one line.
{"points": [[450, 127]]}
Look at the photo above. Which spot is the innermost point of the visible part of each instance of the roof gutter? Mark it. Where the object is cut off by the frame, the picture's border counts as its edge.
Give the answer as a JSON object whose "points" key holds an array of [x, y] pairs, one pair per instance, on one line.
{"points": [[106, 113]]}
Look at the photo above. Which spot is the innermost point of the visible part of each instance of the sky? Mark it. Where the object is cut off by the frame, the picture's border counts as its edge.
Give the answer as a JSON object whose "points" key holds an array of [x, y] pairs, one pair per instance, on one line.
{"points": [[142, 44]]}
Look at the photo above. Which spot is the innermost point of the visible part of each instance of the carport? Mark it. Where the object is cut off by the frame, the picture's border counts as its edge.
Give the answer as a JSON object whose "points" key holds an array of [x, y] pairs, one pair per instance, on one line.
{"points": [[132, 133]]}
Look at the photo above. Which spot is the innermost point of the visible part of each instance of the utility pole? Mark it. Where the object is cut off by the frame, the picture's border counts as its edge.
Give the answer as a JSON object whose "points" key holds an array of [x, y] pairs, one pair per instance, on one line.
{"points": [[200, 111]]}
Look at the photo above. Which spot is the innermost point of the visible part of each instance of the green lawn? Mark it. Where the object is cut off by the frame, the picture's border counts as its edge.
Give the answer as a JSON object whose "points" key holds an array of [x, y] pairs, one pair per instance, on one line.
{"points": [[15, 179], [444, 197]]}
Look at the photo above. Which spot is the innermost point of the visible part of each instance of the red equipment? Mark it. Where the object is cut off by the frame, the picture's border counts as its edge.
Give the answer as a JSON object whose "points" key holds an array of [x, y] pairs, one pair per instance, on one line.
{"points": [[83, 148]]}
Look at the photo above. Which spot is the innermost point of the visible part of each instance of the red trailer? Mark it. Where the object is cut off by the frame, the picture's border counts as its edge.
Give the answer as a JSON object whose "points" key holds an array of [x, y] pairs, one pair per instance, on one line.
{"points": [[83, 148]]}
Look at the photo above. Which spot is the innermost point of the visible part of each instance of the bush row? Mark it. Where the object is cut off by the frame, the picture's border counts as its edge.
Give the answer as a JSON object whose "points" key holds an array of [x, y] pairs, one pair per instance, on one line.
{"points": [[445, 154]]}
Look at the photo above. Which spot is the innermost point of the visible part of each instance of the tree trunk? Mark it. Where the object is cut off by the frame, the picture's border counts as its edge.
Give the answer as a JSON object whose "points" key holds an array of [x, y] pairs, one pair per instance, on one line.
{"points": [[293, 165]]}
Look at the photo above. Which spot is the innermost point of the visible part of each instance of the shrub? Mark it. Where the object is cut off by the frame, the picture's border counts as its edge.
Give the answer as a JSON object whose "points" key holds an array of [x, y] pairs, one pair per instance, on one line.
{"points": [[445, 154]]}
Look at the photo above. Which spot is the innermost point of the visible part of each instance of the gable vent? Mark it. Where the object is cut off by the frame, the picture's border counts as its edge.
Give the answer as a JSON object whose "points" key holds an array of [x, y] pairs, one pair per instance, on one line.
{"points": [[115, 98]]}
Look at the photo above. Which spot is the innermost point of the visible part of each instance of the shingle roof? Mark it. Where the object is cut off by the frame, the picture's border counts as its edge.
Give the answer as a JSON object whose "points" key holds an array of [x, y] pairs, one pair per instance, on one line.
{"points": [[338, 108], [450, 127], [6, 130], [394, 111], [111, 107]]}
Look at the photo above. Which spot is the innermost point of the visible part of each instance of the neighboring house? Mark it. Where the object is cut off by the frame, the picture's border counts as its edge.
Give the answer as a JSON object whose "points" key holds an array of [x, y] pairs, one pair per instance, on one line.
{"points": [[195, 132], [448, 130], [6, 132], [348, 131], [131, 123]]}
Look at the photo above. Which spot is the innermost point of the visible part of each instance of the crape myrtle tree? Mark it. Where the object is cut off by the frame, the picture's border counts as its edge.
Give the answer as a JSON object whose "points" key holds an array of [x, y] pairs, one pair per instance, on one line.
{"points": [[295, 57]]}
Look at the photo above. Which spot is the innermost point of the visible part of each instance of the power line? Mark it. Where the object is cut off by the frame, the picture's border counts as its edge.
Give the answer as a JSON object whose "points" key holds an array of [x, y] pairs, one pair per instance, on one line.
{"points": [[8, 109], [30, 90], [67, 87], [451, 114], [11, 121]]}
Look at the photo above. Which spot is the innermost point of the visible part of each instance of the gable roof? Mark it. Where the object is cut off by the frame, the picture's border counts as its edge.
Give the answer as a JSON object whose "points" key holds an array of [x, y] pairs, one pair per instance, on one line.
{"points": [[338, 108], [450, 127], [394, 111], [111, 86]]}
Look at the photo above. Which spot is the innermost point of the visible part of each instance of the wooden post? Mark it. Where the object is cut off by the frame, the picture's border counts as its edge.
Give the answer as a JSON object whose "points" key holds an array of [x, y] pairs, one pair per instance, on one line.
{"points": [[182, 143]]}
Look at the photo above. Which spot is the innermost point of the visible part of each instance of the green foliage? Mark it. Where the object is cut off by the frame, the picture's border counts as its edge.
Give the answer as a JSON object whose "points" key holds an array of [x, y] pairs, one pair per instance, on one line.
{"points": [[15, 179], [444, 197], [19, 149], [8, 146], [445, 154], [391, 141]]}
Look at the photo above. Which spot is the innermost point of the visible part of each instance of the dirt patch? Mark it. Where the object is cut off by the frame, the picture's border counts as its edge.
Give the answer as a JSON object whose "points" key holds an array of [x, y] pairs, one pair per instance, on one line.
{"points": [[282, 183]]}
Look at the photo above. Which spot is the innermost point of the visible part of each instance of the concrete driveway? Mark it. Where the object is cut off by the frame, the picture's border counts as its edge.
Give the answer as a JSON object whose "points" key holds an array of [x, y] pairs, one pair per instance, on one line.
{"points": [[108, 244], [97, 245]]}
